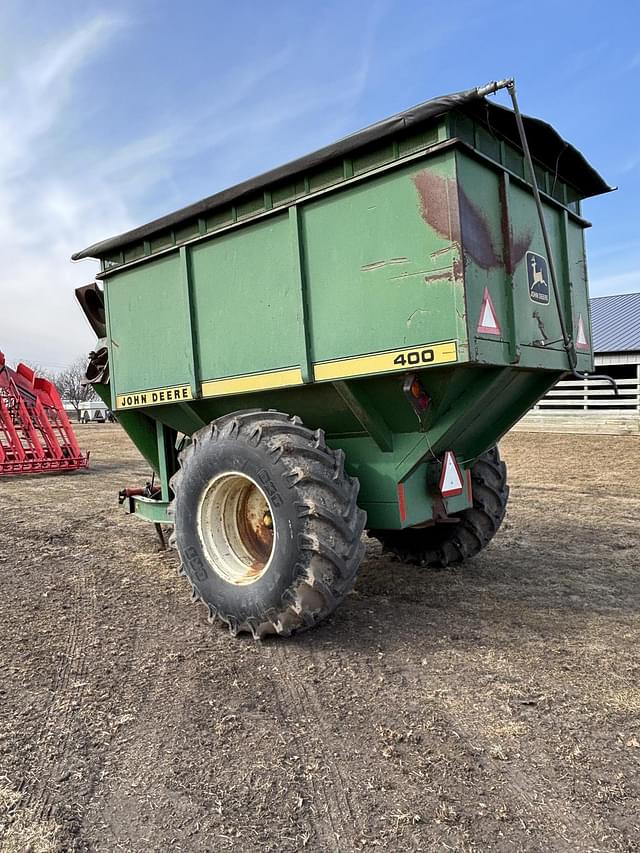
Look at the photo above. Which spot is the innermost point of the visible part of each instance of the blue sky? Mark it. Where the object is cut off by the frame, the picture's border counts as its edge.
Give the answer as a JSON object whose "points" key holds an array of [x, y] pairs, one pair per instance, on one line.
{"points": [[114, 113]]}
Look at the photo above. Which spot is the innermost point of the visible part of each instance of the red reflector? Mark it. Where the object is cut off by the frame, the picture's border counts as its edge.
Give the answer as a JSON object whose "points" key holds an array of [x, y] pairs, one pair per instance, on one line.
{"points": [[401, 503], [451, 481]]}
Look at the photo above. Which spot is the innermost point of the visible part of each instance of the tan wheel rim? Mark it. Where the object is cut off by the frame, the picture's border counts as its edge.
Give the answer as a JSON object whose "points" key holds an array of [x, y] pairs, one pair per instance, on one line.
{"points": [[236, 529]]}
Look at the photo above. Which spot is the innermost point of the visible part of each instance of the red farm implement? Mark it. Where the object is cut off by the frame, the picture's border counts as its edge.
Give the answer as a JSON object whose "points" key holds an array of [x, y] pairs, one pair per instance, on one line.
{"points": [[35, 433]]}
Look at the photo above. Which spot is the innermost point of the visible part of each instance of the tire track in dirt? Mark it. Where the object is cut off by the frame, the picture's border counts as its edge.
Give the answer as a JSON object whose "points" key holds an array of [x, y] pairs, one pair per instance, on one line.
{"points": [[66, 692], [339, 783], [564, 822], [138, 758], [327, 836], [553, 814], [139, 761], [339, 827]]}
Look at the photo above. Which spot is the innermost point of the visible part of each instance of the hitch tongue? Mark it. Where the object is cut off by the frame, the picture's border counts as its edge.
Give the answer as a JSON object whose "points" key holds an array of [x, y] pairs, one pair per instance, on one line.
{"points": [[149, 490]]}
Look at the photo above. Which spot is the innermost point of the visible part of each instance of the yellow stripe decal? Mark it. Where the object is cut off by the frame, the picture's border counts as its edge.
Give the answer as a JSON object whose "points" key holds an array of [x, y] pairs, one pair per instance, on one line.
{"points": [[154, 397], [252, 382], [361, 365], [386, 362]]}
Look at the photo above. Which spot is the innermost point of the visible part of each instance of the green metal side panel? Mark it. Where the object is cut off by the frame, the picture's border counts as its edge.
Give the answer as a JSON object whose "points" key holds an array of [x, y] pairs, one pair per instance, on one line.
{"points": [[150, 334], [246, 300], [500, 232], [535, 322], [399, 260], [379, 276]]}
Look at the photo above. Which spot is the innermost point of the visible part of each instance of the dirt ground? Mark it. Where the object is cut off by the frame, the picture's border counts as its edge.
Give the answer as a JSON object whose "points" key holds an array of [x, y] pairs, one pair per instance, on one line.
{"points": [[494, 706]]}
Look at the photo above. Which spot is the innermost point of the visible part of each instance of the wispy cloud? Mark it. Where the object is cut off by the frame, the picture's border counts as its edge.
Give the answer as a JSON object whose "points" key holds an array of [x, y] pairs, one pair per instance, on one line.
{"points": [[617, 248], [367, 51], [56, 66], [629, 164], [614, 267], [33, 97], [38, 210], [60, 191], [623, 282], [579, 60]]}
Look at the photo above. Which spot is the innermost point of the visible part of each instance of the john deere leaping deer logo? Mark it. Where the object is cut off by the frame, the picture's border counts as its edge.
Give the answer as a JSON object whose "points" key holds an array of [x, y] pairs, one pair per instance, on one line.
{"points": [[538, 274]]}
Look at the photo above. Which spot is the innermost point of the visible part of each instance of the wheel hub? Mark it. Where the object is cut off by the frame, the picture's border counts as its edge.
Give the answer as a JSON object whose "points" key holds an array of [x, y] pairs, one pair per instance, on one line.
{"points": [[235, 525]]}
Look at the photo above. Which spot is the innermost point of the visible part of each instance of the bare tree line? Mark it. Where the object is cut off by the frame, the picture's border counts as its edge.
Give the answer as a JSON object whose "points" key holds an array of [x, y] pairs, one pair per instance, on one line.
{"points": [[70, 382]]}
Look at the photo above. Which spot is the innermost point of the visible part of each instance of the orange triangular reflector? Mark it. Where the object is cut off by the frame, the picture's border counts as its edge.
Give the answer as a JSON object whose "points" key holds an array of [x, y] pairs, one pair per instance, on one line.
{"points": [[451, 482], [488, 323], [581, 337]]}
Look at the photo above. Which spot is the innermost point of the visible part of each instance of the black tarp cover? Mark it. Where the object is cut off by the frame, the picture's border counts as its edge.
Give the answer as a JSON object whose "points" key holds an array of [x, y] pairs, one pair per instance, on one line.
{"points": [[547, 146]]}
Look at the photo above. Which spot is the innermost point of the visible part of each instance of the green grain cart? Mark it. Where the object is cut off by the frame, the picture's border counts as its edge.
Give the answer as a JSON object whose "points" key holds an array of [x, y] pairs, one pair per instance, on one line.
{"points": [[338, 344]]}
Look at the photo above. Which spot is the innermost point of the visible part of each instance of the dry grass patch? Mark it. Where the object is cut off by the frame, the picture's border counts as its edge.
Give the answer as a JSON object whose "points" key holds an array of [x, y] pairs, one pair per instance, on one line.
{"points": [[21, 829]]}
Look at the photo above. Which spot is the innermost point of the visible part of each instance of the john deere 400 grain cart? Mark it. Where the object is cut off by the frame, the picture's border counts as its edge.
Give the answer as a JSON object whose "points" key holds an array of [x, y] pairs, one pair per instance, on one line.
{"points": [[338, 345]]}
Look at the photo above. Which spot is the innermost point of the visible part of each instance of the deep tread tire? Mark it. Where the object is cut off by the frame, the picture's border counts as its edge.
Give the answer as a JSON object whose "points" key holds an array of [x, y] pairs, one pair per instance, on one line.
{"points": [[317, 520], [443, 544]]}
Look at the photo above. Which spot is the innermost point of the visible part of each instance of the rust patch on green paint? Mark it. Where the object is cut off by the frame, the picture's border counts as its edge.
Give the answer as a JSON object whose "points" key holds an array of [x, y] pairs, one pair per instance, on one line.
{"points": [[448, 210], [440, 275], [477, 242], [376, 265], [519, 247], [442, 251], [514, 249], [439, 203]]}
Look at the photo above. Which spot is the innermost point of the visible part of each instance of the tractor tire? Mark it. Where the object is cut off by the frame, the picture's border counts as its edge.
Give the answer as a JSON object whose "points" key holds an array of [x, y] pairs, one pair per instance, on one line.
{"points": [[445, 543], [267, 524]]}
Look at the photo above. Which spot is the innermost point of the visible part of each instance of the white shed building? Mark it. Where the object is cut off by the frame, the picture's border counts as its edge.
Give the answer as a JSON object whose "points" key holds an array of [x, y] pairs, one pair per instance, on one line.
{"points": [[589, 406]]}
